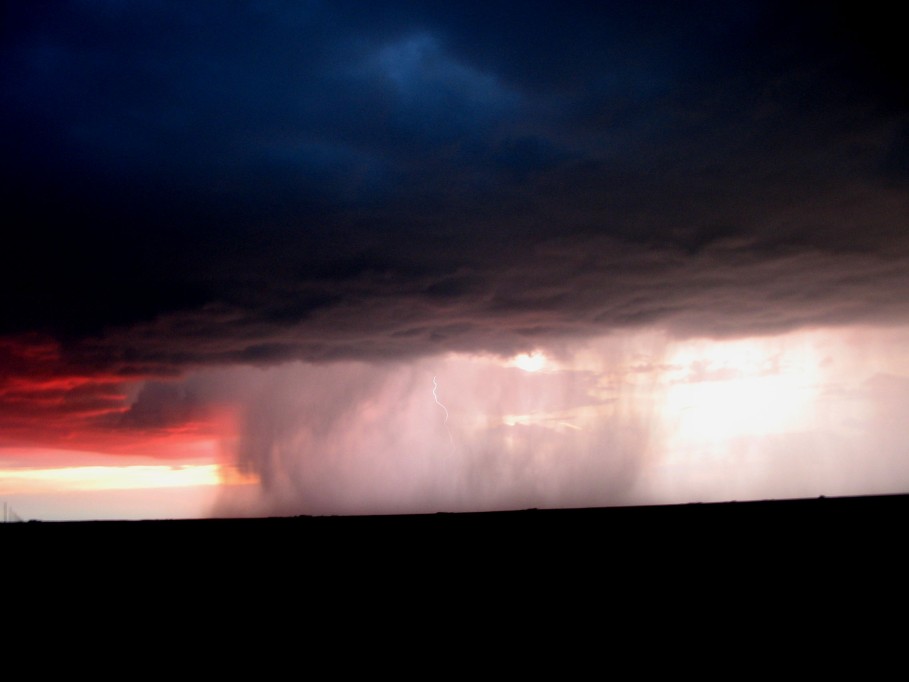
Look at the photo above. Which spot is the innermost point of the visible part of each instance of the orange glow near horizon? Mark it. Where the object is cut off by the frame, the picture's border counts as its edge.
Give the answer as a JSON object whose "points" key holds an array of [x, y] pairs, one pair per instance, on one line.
{"points": [[96, 483], [63, 433], [124, 477]]}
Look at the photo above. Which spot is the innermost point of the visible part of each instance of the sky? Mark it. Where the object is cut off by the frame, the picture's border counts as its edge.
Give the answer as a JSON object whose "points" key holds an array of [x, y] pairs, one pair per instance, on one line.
{"points": [[279, 258]]}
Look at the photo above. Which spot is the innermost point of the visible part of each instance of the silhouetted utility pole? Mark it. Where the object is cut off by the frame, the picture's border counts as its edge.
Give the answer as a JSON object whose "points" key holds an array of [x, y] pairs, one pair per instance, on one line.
{"points": [[9, 516]]}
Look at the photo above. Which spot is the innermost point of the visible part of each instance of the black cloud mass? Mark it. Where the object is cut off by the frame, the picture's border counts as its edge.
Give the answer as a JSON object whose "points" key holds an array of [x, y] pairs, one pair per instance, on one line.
{"points": [[193, 184]]}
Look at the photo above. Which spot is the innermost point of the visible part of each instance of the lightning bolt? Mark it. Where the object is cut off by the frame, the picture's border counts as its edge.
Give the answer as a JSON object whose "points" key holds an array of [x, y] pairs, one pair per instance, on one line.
{"points": [[435, 387]]}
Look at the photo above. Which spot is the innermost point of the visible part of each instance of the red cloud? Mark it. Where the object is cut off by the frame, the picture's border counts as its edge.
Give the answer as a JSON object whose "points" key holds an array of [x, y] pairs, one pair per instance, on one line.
{"points": [[47, 401]]}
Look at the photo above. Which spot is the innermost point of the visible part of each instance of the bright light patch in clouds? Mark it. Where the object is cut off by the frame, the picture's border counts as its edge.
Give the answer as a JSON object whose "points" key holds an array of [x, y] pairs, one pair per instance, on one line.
{"points": [[719, 390], [797, 415], [529, 362]]}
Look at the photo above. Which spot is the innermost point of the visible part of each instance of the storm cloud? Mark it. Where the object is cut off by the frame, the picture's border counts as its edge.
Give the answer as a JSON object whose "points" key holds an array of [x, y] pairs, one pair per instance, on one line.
{"points": [[264, 230], [328, 180]]}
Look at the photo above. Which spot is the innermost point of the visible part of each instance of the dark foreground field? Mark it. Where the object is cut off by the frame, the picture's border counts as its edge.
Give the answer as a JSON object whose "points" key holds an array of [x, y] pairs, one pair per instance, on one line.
{"points": [[836, 563], [823, 530]]}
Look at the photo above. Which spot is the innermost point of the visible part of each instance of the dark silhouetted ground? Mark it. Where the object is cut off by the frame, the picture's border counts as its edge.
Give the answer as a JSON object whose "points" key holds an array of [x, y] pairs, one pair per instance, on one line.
{"points": [[837, 564]]}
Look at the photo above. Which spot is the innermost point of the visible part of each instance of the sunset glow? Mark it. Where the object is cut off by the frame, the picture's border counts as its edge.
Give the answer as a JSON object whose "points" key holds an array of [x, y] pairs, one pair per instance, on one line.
{"points": [[128, 477]]}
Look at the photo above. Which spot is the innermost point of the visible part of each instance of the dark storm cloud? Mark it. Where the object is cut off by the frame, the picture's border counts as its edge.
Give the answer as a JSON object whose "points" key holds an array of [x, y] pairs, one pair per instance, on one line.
{"points": [[323, 180]]}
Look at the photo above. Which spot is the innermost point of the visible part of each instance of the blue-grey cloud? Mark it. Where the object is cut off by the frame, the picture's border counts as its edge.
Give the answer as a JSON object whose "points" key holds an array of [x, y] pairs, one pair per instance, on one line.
{"points": [[321, 180]]}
